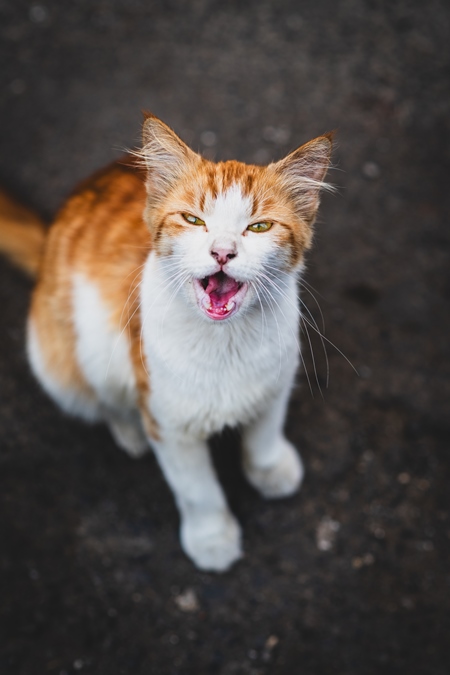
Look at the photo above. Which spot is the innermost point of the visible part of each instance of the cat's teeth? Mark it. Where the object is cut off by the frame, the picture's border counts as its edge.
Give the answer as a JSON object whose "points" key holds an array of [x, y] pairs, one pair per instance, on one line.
{"points": [[229, 306]]}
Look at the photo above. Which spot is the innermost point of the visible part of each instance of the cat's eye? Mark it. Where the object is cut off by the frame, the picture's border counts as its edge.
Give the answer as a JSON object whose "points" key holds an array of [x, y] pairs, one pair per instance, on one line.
{"points": [[260, 227], [193, 220]]}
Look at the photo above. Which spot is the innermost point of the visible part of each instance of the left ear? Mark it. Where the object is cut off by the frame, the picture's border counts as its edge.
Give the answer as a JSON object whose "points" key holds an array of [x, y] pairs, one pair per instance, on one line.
{"points": [[302, 173], [165, 155]]}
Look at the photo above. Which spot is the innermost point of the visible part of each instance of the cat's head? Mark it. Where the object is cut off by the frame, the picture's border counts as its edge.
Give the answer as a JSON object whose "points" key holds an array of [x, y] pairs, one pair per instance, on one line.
{"points": [[224, 230]]}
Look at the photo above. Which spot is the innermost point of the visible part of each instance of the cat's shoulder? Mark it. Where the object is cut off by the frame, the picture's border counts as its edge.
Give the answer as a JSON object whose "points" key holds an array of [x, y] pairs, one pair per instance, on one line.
{"points": [[120, 185]]}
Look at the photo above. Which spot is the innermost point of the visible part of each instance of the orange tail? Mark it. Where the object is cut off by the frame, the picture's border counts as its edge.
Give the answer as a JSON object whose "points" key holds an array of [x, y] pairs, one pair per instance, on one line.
{"points": [[22, 234]]}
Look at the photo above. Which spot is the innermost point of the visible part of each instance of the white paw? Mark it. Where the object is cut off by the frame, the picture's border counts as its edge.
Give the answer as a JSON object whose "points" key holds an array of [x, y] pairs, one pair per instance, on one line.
{"points": [[130, 437], [281, 479], [213, 542]]}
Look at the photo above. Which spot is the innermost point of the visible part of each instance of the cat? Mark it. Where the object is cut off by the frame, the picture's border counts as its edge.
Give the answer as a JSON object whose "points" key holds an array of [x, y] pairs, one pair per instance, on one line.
{"points": [[166, 305]]}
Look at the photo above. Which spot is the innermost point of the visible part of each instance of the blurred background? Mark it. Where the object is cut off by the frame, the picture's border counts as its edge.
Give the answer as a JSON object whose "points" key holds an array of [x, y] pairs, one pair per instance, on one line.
{"points": [[352, 575]]}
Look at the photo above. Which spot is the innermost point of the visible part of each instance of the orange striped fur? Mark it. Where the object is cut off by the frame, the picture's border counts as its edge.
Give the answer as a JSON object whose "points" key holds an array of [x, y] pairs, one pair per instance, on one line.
{"points": [[22, 234]]}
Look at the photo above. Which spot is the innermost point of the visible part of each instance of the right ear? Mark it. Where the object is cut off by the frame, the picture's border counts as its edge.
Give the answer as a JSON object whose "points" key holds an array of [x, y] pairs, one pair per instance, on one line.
{"points": [[165, 156], [303, 172]]}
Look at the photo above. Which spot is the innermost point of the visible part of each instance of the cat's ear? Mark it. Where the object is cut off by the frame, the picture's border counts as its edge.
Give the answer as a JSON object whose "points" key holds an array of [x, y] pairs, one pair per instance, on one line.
{"points": [[303, 172], [164, 154]]}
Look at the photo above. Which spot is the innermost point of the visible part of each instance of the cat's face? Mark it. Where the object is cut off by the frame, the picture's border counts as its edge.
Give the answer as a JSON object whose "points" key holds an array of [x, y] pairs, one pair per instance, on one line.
{"points": [[225, 232]]}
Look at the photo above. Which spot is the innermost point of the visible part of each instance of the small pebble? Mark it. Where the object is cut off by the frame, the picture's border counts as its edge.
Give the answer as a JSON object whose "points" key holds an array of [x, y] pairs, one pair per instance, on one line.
{"points": [[425, 545], [371, 170], [404, 478], [271, 642], [270, 645], [423, 484], [379, 532], [362, 561], [187, 601], [38, 13], [326, 533]]}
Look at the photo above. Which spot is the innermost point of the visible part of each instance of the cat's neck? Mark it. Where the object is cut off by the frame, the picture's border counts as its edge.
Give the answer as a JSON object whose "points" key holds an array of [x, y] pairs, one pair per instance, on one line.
{"points": [[167, 317]]}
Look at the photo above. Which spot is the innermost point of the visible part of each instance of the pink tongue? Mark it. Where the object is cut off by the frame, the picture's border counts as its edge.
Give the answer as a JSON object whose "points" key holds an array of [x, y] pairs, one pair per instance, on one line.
{"points": [[221, 288]]}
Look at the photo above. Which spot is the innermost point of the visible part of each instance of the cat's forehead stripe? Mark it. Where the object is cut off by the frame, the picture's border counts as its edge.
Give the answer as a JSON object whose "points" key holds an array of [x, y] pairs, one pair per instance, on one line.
{"points": [[221, 176], [230, 178], [232, 204], [255, 204]]}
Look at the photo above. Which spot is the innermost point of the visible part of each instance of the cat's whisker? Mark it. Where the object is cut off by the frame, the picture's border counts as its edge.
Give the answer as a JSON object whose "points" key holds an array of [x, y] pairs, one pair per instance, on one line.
{"points": [[320, 332], [288, 298], [273, 299], [313, 360], [322, 341], [263, 314], [307, 286], [136, 288], [293, 334], [136, 247], [172, 256], [132, 289], [310, 290], [135, 271], [270, 304], [333, 345], [315, 327], [184, 278], [261, 276], [128, 304], [163, 285]]}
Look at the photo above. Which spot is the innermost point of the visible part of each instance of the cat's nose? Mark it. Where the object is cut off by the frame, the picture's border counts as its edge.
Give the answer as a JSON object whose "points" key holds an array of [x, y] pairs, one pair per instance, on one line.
{"points": [[223, 254]]}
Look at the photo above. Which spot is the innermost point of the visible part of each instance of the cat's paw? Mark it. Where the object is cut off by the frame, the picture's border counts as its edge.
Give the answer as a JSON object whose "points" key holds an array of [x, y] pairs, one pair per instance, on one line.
{"points": [[130, 437], [213, 542], [278, 480]]}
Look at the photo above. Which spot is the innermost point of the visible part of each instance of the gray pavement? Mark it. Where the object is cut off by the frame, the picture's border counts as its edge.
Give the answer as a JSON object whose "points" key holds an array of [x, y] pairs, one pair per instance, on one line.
{"points": [[350, 577]]}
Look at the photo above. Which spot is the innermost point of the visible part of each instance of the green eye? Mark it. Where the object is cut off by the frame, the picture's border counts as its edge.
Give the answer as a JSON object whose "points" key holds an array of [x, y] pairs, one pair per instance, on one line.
{"points": [[260, 227], [193, 220]]}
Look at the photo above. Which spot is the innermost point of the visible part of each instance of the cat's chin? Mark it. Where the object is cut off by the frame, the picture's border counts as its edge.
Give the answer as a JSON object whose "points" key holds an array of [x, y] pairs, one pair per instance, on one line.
{"points": [[219, 296]]}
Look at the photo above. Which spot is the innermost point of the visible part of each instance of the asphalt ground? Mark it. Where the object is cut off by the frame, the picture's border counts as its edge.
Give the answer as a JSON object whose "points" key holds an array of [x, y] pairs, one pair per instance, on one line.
{"points": [[350, 577]]}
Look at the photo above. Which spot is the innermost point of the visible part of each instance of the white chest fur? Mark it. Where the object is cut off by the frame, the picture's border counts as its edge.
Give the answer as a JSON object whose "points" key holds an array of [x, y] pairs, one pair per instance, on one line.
{"points": [[102, 352], [206, 375]]}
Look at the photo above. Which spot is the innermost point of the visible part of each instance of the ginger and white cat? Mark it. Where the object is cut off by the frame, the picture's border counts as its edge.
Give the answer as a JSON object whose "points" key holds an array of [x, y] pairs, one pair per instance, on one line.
{"points": [[166, 306]]}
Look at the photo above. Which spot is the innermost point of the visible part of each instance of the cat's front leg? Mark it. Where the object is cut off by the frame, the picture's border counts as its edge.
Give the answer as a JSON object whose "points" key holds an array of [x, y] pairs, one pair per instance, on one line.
{"points": [[126, 429], [271, 463], [210, 534]]}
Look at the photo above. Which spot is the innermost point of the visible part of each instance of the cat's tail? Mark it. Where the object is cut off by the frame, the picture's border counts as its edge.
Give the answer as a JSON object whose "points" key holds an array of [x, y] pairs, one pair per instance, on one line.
{"points": [[22, 234]]}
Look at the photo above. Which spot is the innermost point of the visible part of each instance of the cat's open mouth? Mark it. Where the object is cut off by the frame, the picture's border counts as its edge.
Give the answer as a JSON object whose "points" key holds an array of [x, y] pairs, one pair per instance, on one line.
{"points": [[219, 295]]}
